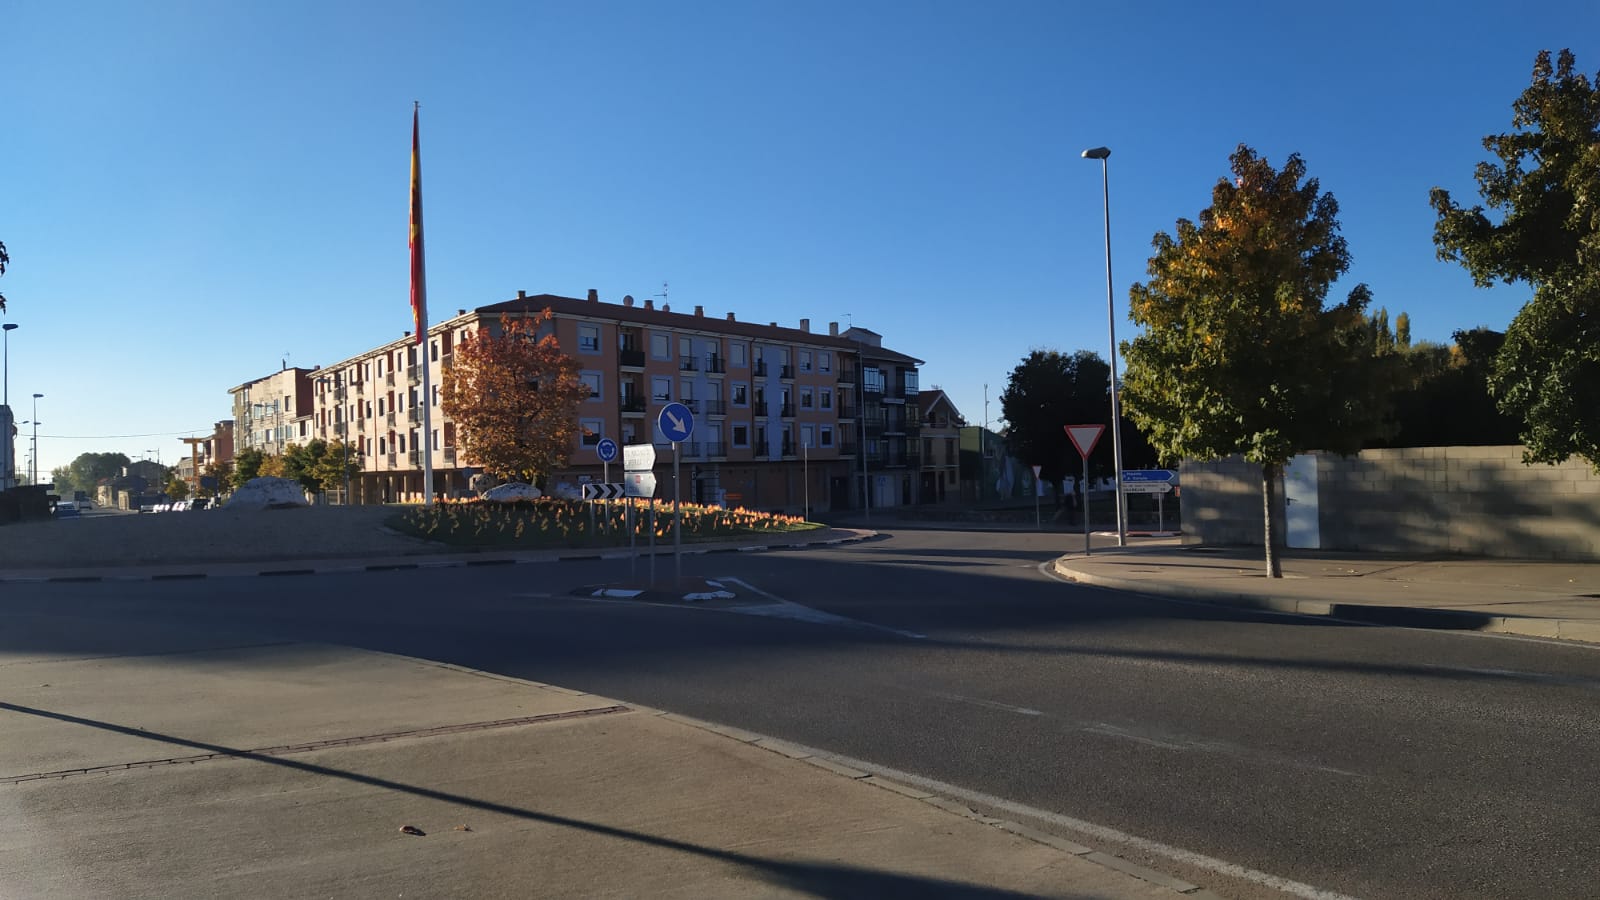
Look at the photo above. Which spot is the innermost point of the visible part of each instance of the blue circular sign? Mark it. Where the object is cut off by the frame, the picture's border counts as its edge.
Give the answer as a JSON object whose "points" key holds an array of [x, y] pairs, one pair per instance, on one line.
{"points": [[676, 422], [607, 448]]}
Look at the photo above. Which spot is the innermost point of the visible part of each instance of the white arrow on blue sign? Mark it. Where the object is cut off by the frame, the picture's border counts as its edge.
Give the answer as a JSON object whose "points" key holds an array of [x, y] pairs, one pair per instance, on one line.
{"points": [[1148, 476], [676, 422], [606, 449]]}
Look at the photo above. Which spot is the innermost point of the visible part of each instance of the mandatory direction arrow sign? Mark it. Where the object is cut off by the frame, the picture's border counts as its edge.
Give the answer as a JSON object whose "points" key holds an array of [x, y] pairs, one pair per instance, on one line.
{"points": [[676, 422], [596, 490]]}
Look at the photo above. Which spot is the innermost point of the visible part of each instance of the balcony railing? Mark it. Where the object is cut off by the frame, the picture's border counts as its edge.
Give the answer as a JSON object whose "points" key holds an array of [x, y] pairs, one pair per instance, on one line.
{"points": [[632, 404], [388, 379], [761, 368], [413, 415], [847, 410], [449, 456], [688, 364], [847, 448], [339, 393], [393, 460], [413, 374], [361, 388], [786, 410], [786, 372], [716, 407], [389, 418], [631, 358], [716, 365], [414, 457], [848, 374]]}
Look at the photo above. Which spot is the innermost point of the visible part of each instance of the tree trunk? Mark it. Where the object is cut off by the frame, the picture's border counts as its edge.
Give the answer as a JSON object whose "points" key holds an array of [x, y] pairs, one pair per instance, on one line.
{"points": [[1269, 484]]}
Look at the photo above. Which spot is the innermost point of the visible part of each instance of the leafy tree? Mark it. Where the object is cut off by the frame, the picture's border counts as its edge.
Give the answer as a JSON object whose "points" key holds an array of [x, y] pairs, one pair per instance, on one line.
{"points": [[275, 465], [1049, 390], [246, 465], [1238, 354], [177, 488], [84, 472], [515, 396], [1546, 193], [221, 474]]}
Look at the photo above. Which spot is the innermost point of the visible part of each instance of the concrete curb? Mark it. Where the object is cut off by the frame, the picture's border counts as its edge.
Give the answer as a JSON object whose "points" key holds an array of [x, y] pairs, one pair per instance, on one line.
{"points": [[1360, 613], [348, 566]]}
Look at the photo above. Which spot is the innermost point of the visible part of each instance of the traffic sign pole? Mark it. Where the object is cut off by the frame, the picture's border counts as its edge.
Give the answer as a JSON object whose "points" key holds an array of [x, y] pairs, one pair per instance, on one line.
{"points": [[1086, 550], [677, 521]]}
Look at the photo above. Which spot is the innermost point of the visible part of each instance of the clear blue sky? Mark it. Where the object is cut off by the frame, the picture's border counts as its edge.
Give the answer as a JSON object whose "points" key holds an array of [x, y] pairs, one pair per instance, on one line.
{"points": [[192, 191]]}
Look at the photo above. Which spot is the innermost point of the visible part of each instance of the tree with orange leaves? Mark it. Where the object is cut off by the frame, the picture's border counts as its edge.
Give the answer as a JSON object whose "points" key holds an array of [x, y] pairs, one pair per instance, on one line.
{"points": [[514, 396], [1238, 354]]}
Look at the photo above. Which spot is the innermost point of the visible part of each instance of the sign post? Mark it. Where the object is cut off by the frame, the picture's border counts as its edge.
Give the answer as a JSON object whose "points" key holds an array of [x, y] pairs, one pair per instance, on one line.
{"points": [[1084, 438], [607, 451], [676, 423], [1151, 481], [1036, 487], [638, 481]]}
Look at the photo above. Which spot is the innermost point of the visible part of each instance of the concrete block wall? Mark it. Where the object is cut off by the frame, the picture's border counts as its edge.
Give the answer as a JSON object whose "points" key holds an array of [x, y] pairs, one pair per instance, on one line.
{"points": [[1479, 501]]}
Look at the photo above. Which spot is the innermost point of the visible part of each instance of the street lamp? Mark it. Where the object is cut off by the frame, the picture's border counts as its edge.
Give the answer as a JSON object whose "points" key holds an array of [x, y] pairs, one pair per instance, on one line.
{"points": [[34, 478], [5, 350], [1103, 154]]}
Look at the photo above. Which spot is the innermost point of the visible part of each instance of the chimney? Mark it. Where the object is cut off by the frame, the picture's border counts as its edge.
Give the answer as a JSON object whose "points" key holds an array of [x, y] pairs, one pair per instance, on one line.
{"points": [[666, 307], [627, 299], [594, 296], [730, 317], [522, 295], [772, 324], [805, 325], [700, 311], [461, 312], [649, 303], [833, 329]]}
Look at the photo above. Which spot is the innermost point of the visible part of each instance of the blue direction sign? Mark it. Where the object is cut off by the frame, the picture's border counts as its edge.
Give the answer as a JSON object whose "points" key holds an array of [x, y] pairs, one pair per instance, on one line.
{"points": [[676, 422], [1149, 476], [607, 449]]}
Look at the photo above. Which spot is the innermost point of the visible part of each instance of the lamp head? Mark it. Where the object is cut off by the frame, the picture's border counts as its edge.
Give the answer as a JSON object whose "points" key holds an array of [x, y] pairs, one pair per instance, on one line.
{"points": [[1097, 153], [9, 326]]}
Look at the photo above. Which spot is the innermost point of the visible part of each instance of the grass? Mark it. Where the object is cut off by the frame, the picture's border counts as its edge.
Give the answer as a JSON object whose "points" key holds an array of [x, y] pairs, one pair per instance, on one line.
{"points": [[548, 523]]}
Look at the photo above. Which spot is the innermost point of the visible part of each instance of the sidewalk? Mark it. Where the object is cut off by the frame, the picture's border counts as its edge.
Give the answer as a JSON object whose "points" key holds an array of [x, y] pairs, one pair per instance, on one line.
{"points": [[1525, 597], [306, 770]]}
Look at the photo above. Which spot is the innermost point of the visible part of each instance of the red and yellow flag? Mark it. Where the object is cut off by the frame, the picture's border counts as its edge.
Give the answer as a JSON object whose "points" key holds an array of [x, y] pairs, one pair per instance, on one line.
{"points": [[419, 269]]}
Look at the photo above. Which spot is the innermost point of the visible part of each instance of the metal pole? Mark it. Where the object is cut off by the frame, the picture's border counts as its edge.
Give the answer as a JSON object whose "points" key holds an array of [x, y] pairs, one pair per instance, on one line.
{"points": [[861, 423], [33, 477], [677, 521], [652, 540], [1085, 484], [805, 473], [6, 352], [1037, 526], [1111, 325]]}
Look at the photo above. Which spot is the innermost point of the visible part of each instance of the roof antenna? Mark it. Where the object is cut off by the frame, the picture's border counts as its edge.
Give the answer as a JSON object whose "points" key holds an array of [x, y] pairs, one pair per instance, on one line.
{"points": [[663, 294]]}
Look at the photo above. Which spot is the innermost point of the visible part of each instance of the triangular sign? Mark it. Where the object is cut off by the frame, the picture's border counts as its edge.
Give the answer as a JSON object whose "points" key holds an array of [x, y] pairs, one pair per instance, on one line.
{"points": [[1084, 437]]}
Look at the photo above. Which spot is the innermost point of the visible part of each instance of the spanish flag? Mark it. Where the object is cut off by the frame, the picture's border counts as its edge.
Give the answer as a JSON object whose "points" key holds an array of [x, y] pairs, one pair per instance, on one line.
{"points": [[419, 269]]}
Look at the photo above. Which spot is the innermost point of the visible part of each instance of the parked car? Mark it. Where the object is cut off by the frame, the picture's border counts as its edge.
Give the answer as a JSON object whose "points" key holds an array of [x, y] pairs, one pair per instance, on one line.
{"points": [[67, 509]]}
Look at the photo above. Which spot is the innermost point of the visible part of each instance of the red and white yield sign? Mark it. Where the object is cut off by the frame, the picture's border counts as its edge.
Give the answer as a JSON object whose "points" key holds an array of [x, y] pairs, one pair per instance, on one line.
{"points": [[1084, 437]]}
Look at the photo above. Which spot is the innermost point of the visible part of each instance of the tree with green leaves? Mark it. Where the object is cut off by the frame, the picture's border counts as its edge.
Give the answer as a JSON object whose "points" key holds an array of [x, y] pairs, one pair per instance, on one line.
{"points": [[1238, 354], [177, 488], [1545, 196], [86, 471], [246, 465], [1048, 390]]}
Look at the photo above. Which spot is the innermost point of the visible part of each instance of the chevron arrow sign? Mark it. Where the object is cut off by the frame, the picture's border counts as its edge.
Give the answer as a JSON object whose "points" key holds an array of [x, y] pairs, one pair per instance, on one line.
{"points": [[596, 490]]}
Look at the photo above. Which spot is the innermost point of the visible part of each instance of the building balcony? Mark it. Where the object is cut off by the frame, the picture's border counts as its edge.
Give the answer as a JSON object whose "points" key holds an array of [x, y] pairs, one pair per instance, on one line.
{"points": [[716, 407], [847, 375], [716, 365], [847, 412], [361, 388], [413, 415], [847, 448], [633, 406], [786, 372], [414, 375], [393, 461], [339, 393], [388, 379], [789, 449], [760, 368], [630, 358], [703, 449], [388, 418], [786, 411], [414, 457], [688, 364]]}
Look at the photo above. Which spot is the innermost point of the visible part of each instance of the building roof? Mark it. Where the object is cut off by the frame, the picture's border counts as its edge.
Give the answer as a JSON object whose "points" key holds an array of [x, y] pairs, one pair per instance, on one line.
{"points": [[927, 400], [296, 369]]}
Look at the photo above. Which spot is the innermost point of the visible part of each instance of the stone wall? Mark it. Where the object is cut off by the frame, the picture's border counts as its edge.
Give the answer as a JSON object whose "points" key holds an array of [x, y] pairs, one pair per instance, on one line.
{"points": [[1479, 501]]}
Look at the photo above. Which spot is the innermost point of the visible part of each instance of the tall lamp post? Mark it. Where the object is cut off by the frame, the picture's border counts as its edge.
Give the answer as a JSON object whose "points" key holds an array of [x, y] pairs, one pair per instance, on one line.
{"points": [[1103, 154], [5, 351], [34, 478]]}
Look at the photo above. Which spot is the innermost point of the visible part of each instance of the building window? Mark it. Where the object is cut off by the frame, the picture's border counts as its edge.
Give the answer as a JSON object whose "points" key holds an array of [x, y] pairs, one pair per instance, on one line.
{"points": [[592, 380], [872, 379], [383, 445], [950, 450], [591, 431], [738, 353], [824, 361], [660, 345], [589, 338], [741, 435], [927, 450], [433, 350], [808, 436], [661, 389], [805, 360], [805, 398], [827, 436], [741, 394], [827, 398], [436, 439]]}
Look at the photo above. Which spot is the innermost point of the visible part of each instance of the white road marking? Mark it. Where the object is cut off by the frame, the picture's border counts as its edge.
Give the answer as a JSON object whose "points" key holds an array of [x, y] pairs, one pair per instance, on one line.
{"points": [[784, 609], [1101, 832], [988, 704]]}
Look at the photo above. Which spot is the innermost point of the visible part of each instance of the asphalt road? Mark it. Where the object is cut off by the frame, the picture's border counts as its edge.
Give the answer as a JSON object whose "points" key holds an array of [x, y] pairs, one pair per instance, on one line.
{"points": [[1364, 761]]}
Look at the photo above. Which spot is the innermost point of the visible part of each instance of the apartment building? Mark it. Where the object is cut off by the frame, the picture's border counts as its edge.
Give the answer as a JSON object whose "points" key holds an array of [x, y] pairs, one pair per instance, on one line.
{"points": [[941, 447], [781, 413], [273, 411]]}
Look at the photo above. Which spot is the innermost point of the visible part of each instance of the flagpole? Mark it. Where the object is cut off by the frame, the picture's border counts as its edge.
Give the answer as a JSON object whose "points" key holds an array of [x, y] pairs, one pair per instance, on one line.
{"points": [[419, 303]]}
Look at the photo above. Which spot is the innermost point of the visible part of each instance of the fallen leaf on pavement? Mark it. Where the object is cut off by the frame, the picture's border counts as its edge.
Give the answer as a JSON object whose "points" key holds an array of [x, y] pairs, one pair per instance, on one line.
{"points": [[412, 829]]}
